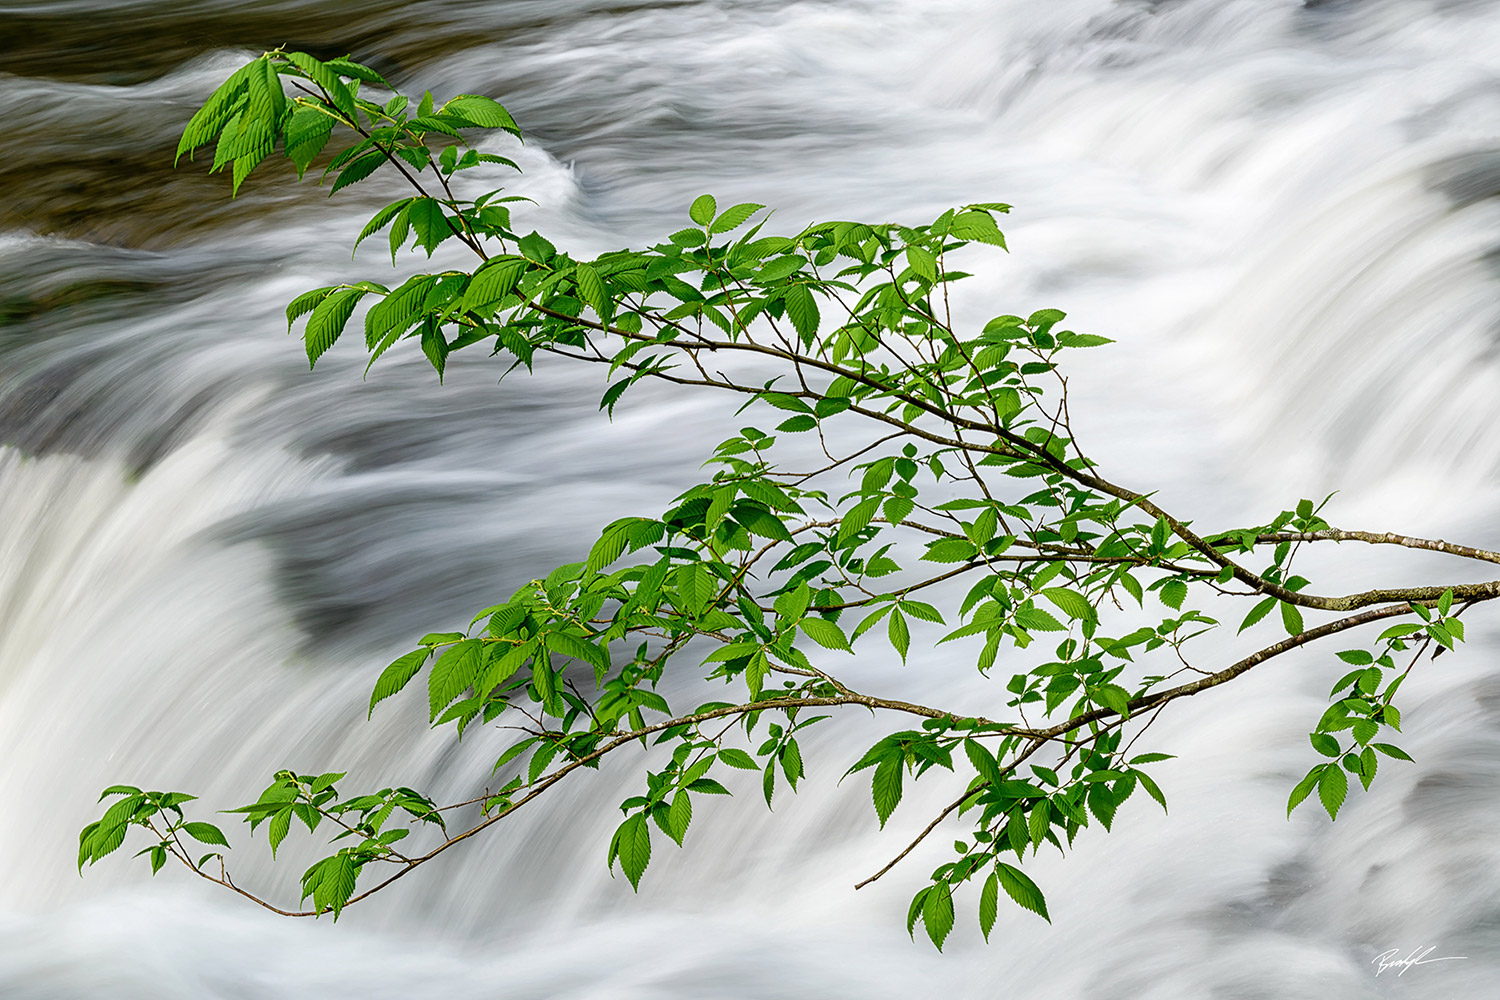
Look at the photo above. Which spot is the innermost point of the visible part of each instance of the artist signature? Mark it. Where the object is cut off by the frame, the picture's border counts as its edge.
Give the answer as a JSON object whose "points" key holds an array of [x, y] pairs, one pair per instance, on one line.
{"points": [[1388, 960]]}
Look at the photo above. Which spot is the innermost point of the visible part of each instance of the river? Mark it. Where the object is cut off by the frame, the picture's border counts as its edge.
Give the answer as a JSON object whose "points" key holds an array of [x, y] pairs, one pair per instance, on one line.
{"points": [[1284, 211]]}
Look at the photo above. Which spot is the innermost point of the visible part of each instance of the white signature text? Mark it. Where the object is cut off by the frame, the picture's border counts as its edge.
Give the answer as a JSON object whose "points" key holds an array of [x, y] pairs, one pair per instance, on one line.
{"points": [[1391, 959]]}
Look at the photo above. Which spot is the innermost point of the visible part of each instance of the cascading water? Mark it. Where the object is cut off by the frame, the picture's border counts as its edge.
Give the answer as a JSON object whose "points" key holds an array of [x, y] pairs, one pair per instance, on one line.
{"points": [[1284, 211]]}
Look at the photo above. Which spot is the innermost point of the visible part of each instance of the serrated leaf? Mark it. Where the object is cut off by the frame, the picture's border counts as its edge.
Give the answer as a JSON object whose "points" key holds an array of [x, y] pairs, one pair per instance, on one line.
{"points": [[337, 885], [381, 219], [634, 848], [1038, 620], [428, 222], [1021, 889], [591, 287], [397, 675], [900, 635], [1257, 613], [825, 633], [735, 757], [989, 905], [679, 815], [1325, 744], [1152, 788], [317, 72], [703, 209], [482, 111], [803, 310], [885, 787], [306, 133], [221, 106], [937, 915], [922, 262], [976, 226], [205, 833], [454, 671], [1332, 787], [306, 302], [357, 171], [494, 281], [281, 825], [328, 320], [1172, 594], [950, 550], [1071, 603], [734, 217]]}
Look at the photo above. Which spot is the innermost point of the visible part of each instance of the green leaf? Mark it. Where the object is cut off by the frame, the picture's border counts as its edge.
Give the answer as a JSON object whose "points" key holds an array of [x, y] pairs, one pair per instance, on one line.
{"points": [[306, 134], [591, 287], [454, 671], [983, 761], [950, 550], [803, 309], [679, 815], [736, 757], [1172, 593], [381, 219], [989, 905], [205, 833], [396, 676], [222, 105], [976, 226], [900, 635], [1071, 603], [825, 633], [328, 320], [281, 825], [1291, 618], [337, 884], [703, 209], [1152, 788], [306, 302], [326, 78], [633, 842], [937, 914], [484, 112], [1392, 751], [503, 666], [921, 610], [1038, 620], [922, 262], [885, 788], [1258, 612], [505, 619], [358, 71], [1039, 822], [1021, 889], [1325, 744], [440, 638], [494, 281], [1332, 786], [579, 649], [732, 218], [429, 222]]}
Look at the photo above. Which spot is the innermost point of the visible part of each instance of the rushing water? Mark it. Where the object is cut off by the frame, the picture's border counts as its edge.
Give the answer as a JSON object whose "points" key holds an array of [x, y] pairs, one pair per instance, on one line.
{"points": [[1284, 211]]}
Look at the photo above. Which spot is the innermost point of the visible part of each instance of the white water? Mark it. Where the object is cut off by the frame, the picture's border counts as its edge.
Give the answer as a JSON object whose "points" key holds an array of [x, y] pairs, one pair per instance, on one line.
{"points": [[1282, 213]]}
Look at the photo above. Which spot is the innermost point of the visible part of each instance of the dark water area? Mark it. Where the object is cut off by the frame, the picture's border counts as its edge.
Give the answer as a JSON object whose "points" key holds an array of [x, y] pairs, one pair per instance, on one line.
{"points": [[1284, 212]]}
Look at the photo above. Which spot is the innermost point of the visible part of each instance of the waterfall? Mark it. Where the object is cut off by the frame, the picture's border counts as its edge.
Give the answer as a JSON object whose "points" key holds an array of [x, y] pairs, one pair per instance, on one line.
{"points": [[1284, 211]]}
